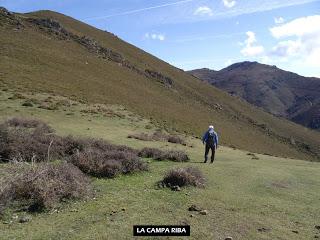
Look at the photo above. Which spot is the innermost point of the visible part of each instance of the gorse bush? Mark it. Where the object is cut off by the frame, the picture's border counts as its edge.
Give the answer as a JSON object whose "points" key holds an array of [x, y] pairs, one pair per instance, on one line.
{"points": [[181, 177], [43, 186], [160, 155]]}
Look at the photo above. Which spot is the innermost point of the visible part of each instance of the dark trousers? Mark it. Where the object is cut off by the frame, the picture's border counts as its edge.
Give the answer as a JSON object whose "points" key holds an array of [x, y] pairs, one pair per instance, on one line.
{"points": [[213, 151]]}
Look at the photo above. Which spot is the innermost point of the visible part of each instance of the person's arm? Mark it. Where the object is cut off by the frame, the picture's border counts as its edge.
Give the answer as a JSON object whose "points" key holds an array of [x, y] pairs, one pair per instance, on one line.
{"points": [[204, 138], [216, 140]]}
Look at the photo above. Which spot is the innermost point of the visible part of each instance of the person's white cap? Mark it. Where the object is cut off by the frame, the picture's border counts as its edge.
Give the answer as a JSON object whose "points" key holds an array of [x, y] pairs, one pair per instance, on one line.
{"points": [[211, 127]]}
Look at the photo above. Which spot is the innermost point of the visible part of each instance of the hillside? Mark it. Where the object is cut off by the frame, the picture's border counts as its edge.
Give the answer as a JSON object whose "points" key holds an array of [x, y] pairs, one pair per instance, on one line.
{"points": [[247, 195], [279, 92], [52, 53]]}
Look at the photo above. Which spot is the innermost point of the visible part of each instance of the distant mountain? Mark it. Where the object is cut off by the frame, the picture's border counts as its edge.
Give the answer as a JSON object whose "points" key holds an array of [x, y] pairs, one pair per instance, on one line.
{"points": [[279, 92], [46, 51]]}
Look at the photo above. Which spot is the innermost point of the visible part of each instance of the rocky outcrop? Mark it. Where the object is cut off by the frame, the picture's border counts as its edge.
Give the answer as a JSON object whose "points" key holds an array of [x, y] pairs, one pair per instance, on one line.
{"points": [[8, 18], [167, 81], [51, 26]]}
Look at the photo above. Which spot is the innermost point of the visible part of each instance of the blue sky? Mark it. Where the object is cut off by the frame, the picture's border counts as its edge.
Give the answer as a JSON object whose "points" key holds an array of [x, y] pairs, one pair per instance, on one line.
{"points": [[205, 33]]}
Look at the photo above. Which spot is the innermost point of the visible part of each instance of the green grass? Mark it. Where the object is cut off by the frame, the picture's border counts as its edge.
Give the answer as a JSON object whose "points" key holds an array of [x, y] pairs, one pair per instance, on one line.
{"points": [[241, 195]]}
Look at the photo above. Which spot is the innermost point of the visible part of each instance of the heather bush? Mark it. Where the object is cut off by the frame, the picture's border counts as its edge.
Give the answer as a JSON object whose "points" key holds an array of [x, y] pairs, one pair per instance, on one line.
{"points": [[141, 136], [31, 141], [160, 155], [36, 145], [181, 177], [29, 123], [176, 139], [99, 162], [175, 156], [150, 152], [43, 186], [158, 136]]}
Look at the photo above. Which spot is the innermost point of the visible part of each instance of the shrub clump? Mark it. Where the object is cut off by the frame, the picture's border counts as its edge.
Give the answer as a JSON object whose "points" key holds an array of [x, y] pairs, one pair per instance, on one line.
{"points": [[176, 139], [182, 177], [28, 123], [43, 186], [159, 136], [157, 154], [29, 141], [141, 136], [101, 159]]}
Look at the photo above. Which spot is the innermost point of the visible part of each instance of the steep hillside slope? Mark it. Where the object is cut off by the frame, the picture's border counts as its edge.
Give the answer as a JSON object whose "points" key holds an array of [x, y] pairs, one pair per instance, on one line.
{"points": [[49, 52], [279, 92]]}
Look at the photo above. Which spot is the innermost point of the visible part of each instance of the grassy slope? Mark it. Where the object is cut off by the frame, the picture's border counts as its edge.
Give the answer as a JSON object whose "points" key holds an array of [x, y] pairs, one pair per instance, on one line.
{"points": [[241, 196], [33, 60]]}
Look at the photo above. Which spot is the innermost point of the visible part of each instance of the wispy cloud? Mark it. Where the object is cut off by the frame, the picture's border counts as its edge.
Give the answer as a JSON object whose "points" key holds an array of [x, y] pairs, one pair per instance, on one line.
{"points": [[203, 38], [229, 3], [203, 10], [190, 10], [155, 36], [138, 10]]}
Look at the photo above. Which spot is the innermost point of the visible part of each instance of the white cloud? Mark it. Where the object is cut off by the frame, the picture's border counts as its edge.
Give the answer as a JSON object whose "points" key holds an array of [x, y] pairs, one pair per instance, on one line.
{"points": [[155, 36], [304, 40], [203, 10], [251, 49], [298, 27], [229, 3], [288, 48], [278, 20]]}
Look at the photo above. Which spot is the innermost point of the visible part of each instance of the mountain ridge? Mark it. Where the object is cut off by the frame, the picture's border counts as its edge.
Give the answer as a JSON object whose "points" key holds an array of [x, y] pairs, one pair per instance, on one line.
{"points": [[277, 91]]}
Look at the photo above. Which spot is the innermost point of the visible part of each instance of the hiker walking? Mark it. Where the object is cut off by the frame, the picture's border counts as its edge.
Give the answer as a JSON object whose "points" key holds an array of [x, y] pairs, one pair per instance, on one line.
{"points": [[210, 138]]}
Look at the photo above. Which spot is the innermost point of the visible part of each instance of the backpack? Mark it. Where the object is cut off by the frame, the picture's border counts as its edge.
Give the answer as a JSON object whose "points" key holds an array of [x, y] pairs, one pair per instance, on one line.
{"points": [[211, 138]]}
